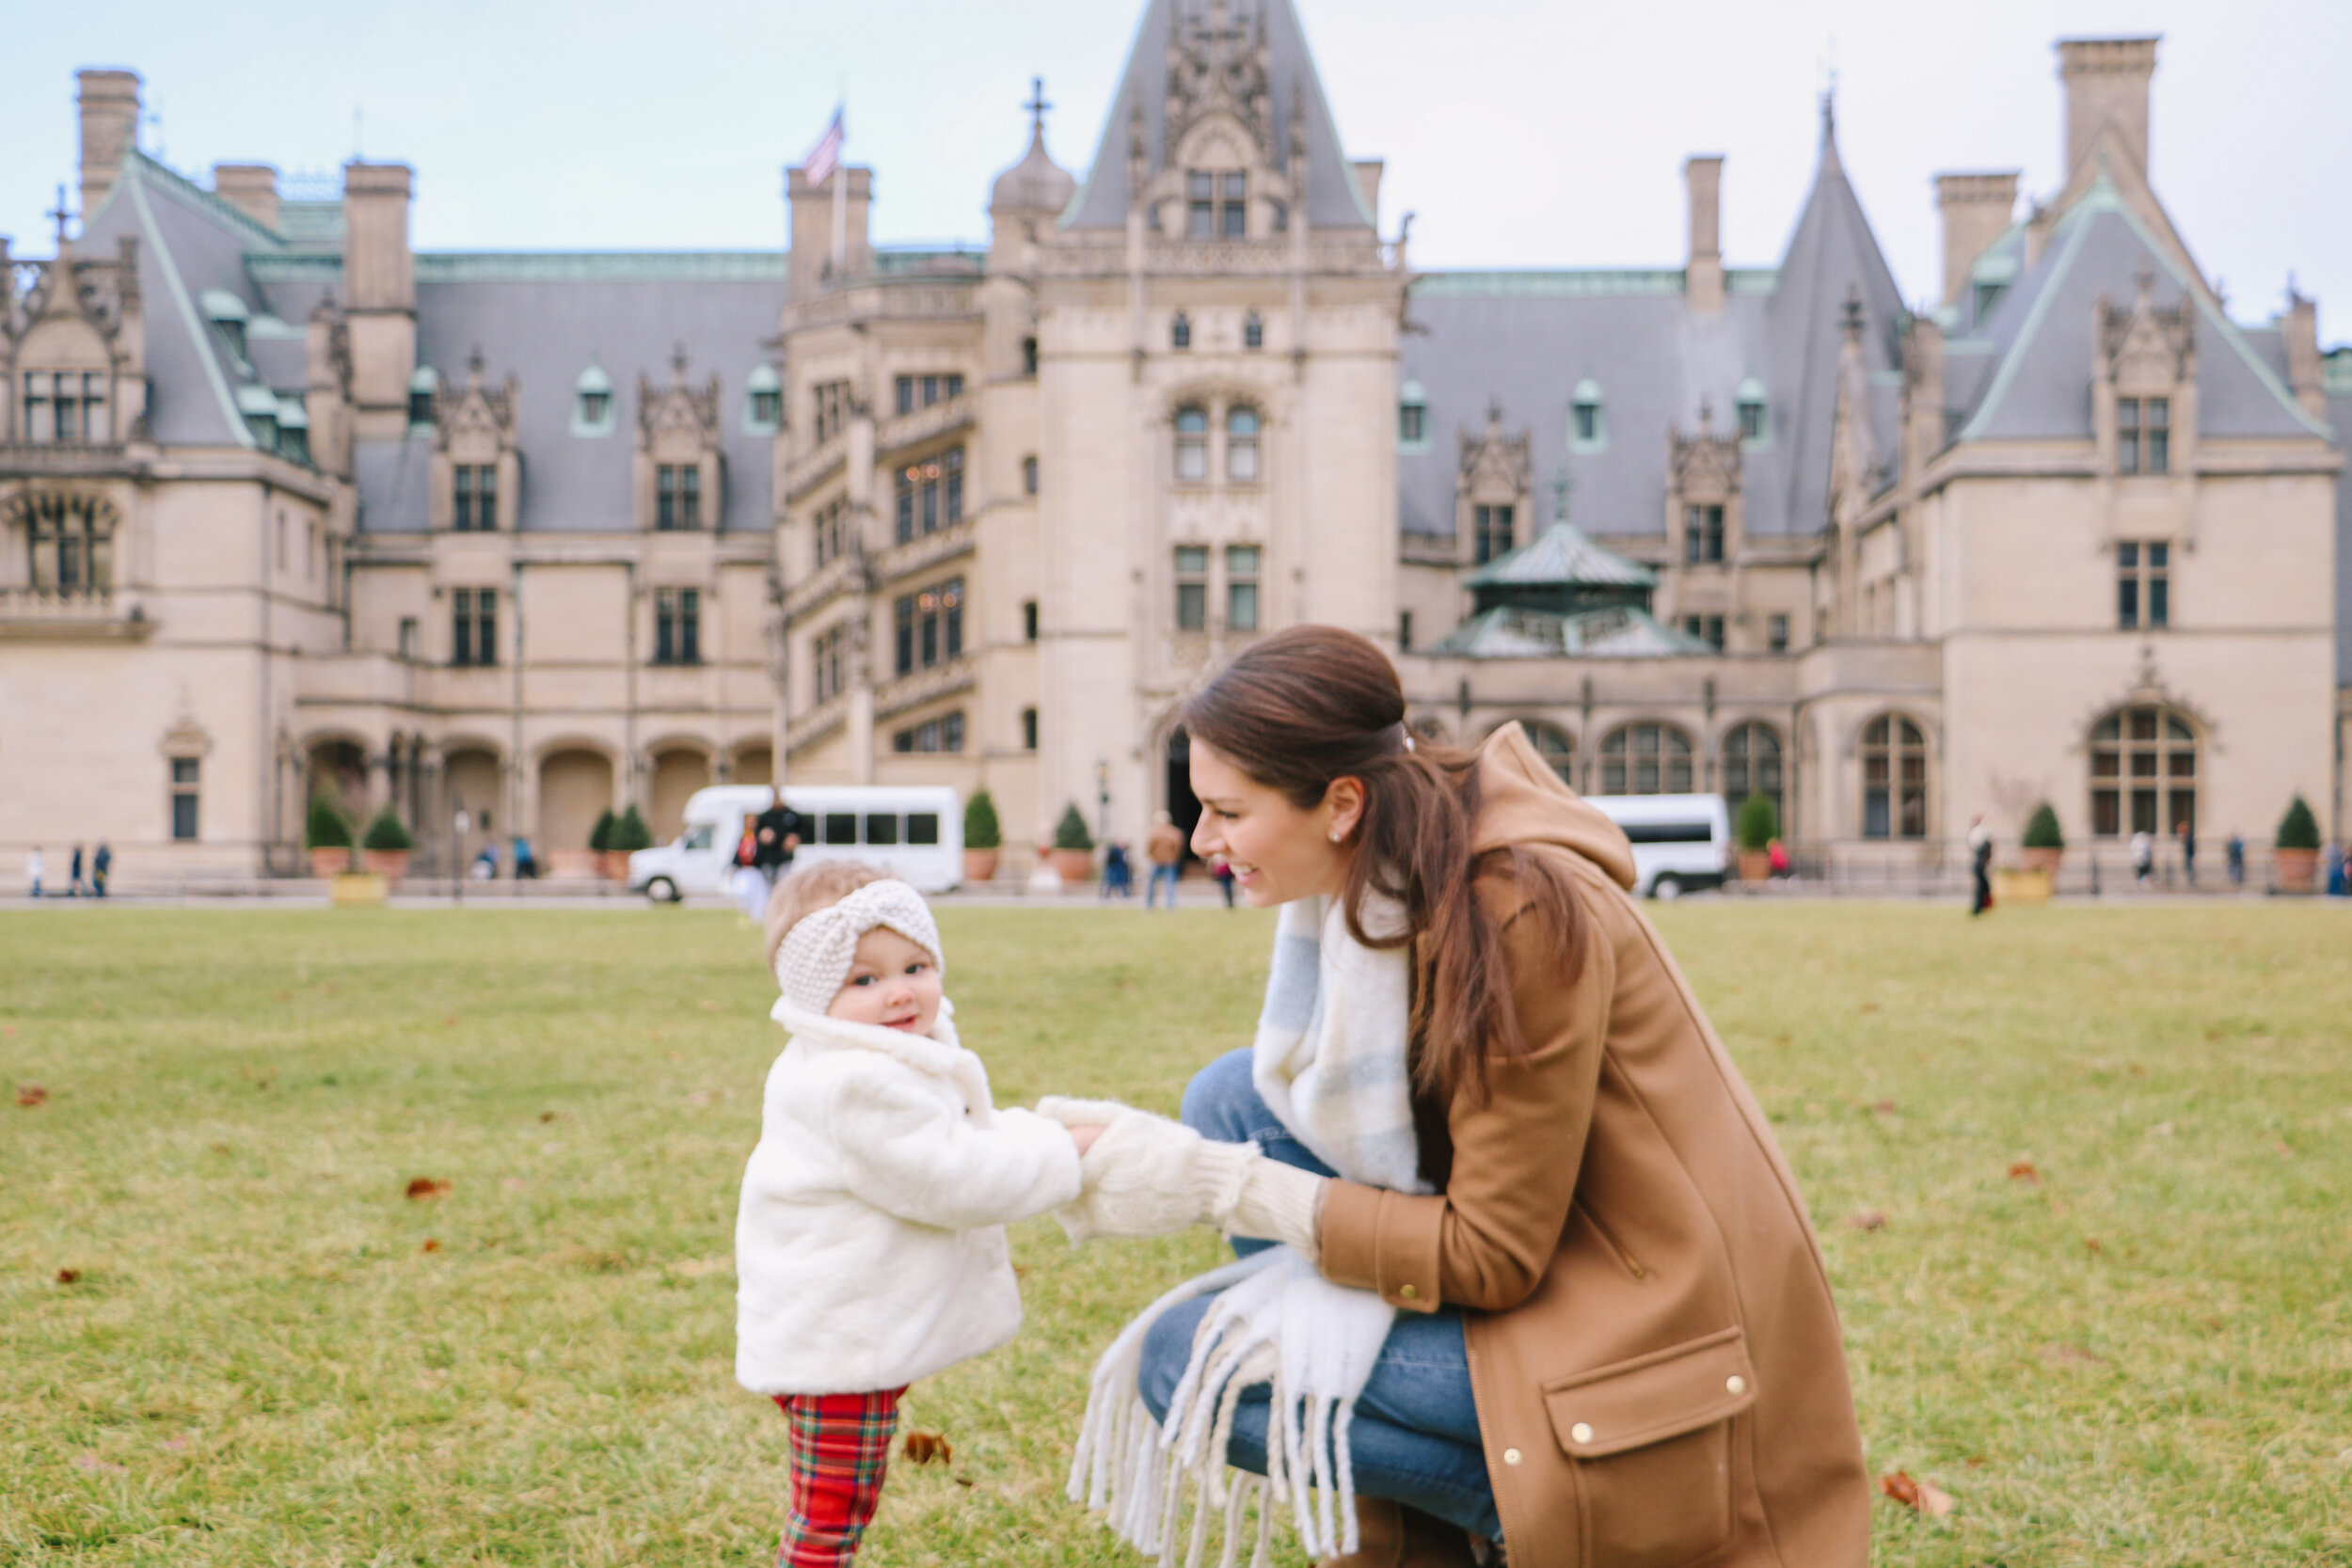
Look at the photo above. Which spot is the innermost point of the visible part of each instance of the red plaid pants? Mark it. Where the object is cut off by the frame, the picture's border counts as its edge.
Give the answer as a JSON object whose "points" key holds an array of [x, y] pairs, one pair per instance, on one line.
{"points": [[840, 1450]]}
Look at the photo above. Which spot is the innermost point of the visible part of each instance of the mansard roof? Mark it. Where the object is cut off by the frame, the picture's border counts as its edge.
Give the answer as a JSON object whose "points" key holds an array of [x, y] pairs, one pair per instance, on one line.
{"points": [[1333, 199], [2023, 368], [1529, 338]]}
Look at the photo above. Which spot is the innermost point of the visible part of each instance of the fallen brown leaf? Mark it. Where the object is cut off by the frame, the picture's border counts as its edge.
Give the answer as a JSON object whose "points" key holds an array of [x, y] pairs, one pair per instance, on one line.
{"points": [[1925, 1496], [1869, 1219], [1884, 1107], [426, 1186], [550, 1115], [30, 1095], [2091, 1244], [67, 1276], [430, 1245], [2024, 1170], [928, 1447]]}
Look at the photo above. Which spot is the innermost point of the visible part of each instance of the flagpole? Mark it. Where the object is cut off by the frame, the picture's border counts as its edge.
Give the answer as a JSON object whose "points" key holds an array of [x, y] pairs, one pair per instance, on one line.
{"points": [[840, 220]]}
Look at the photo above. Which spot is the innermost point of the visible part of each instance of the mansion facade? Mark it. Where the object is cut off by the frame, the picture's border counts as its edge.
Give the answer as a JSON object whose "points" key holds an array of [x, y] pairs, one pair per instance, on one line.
{"points": [[291, 507]]}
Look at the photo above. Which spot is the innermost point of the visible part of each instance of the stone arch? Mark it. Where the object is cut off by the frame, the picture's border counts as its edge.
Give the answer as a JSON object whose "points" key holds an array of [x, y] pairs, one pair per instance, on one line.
{"points": [[752, 761], [677, 766], [1648, 756], [576, 787], [1895, 751]]}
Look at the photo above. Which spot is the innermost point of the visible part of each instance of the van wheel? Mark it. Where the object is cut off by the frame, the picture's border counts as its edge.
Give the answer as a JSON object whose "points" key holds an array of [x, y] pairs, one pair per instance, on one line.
{"points": [[1666, 888], [662, 890]]}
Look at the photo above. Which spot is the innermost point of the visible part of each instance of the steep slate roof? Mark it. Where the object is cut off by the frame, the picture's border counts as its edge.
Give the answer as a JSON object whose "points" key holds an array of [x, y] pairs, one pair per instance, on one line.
{"points": [[1527, 338], [2037, 335], [1333, 199], [2337, 381], [1620, 631]]}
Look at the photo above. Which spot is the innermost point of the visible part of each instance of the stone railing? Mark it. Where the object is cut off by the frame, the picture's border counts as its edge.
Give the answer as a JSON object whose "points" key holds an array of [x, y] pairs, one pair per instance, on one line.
{"points": [[811, 468], [45, 612], [895, 300], [841, 574], [929, 550], [1326, 253], [64, 458], [925, 686], [917, 426], [808, 728]]}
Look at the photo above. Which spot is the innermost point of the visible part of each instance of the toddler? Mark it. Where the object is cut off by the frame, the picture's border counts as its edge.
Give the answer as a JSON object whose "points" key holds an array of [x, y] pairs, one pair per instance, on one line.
{"points": [[869, 1249]]}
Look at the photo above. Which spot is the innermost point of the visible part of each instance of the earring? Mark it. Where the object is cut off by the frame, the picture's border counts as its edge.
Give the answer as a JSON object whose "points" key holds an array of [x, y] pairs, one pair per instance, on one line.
{"points": [[1337, 835]]}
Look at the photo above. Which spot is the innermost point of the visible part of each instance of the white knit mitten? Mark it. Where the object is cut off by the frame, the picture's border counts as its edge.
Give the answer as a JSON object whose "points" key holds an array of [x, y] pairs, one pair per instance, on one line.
{"points": [[1145, 1175]]}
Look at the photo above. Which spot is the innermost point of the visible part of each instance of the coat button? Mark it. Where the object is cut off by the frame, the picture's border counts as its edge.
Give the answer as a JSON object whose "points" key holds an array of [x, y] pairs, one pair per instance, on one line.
{"points": [[1409, 1291], [1510, 1456], [1581, 1433], [1735, 1384]]}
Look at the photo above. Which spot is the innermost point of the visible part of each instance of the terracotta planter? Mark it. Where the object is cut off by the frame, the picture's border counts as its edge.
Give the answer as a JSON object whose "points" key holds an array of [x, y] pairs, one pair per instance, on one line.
{"points": [[2044, 860], [2296, 869], [392, 864], [575, 864], [329, 861], [1073, 865], [2026, 886], [980, 865], [615, 866], [1755, 866]]}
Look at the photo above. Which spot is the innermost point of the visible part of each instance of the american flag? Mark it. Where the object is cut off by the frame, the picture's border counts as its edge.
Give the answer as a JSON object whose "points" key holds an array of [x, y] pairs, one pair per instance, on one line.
{"points": [[826, 155]]}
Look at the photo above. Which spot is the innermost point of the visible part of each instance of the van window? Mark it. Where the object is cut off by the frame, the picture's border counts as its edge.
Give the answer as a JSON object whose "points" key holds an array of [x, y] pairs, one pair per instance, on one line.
{"points": [[840, 827], [881, 827], [699, 838], [1669, 832], [923, 826]]}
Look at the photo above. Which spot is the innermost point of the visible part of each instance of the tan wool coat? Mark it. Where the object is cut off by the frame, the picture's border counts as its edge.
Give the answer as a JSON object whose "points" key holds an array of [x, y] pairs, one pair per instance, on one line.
{"points": [[1656, 1360]]}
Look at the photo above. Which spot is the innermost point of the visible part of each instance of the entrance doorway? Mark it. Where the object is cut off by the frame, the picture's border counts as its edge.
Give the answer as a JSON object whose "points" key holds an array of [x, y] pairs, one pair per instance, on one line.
{"points": [[1184, 806]]}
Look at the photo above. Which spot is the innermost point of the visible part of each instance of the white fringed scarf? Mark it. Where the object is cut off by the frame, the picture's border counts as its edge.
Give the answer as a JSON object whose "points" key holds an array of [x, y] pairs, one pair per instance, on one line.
{"points": [[1331, 1062]]}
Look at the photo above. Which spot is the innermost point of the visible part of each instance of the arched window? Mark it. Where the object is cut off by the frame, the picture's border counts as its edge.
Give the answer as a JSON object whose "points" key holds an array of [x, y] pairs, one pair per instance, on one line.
{"points": [[1588, 419], [1180, 331], [1752, 766], [1412, 418], [1558, 750], [592, 403], [1252, 331], [72, 539], [1749, 403], [421, 386], [764, 393], [1192, 446], [2143, 773], [1241, 445], [1893, 778], [1645, 759]]}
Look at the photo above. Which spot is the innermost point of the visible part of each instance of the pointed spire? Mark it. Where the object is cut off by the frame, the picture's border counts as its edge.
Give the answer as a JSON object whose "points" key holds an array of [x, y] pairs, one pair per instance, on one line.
{"points": [[1829, 160]]}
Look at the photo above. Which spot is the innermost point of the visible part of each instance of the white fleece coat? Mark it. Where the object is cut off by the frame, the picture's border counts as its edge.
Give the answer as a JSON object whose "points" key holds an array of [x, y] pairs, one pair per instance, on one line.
{"points": [[869, 1249]]}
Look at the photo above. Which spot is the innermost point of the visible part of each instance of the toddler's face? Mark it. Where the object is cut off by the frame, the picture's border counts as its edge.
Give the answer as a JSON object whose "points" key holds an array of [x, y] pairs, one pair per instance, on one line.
{"points": [[893, 983]]}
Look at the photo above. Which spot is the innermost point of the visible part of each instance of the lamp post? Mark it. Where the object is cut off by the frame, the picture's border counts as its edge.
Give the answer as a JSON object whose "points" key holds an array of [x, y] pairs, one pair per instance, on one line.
{"points": [[1102, 801], [460, 823]]}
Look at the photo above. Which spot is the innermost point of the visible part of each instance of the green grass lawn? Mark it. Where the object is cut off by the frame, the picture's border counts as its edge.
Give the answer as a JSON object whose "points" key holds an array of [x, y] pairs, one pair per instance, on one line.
{"points": [[271, 1355]]}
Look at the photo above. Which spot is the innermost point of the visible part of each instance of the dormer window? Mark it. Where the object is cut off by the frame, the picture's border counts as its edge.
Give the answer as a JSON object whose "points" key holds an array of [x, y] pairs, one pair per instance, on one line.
{"points": [[1412, 418], [294, 431], [2143, 436], [259, 405], [1749, 403], [677, 496], [1180, 331], [227, 312], [475, 497], [421, 386], [592, 403], [1588, 421], [763, 391], [65, 406], [1252, 331]]}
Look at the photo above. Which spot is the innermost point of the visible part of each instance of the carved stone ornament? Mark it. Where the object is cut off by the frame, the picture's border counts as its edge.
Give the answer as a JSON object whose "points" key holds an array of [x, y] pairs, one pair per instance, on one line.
{"points": [[2145, 343], [474, 411], [677, 410], [1218, 62], [1493, 464], [1703, 464]]}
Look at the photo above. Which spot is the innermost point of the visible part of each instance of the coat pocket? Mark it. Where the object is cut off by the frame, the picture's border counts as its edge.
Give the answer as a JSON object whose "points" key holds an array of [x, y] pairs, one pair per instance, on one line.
{"points": [[1651, 1439]]}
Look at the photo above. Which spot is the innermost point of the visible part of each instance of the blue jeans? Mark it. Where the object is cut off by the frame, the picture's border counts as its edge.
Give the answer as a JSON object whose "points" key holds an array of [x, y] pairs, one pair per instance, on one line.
{"points": [[1161, 874], [1415, 1437]]}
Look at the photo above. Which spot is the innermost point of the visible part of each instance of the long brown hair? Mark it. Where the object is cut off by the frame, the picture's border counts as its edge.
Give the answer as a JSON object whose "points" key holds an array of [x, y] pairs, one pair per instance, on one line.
{"points": [[1305, 706]]}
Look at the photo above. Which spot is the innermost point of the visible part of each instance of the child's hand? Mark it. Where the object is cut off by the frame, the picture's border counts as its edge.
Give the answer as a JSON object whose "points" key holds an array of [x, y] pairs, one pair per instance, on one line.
{"points": [[1084, 1137]]}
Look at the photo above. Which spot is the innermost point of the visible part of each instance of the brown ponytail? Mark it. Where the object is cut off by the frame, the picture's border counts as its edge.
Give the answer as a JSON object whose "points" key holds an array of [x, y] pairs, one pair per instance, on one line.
{"points": [[1302, 708]]}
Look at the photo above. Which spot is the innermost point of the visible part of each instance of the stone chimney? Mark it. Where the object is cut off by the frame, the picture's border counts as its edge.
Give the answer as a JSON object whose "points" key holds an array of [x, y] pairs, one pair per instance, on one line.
{"points": [[250, 188], [1975, 210], [2106, 84], [379, 294], [2306, 371], [812, 257], [1703, 280], [110, 129]]}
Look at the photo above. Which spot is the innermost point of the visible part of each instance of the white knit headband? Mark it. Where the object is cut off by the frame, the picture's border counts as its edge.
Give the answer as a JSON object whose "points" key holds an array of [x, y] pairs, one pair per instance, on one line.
{"points": [[813, 964]]}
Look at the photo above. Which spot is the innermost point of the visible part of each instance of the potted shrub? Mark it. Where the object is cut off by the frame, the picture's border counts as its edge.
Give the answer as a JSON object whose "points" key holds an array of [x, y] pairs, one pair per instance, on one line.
{"points": [[983, 838], [629, 835], [2043, 844], [386, 845], [1754, 830], [2295, 853], [328, 837], [1074, 847]]}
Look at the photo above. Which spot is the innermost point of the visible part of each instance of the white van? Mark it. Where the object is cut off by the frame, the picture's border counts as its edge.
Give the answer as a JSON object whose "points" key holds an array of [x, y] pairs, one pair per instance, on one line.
{"points": [[914, 833], [1680, 841]]}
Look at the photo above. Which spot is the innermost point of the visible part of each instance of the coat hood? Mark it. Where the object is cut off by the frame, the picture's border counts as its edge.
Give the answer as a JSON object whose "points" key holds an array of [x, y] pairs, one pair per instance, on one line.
{"points": [[1523, 802]]}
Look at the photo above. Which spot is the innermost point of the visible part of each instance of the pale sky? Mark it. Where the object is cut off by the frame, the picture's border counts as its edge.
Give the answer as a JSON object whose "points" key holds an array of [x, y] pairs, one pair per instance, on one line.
{"points": [[1522, 135]]}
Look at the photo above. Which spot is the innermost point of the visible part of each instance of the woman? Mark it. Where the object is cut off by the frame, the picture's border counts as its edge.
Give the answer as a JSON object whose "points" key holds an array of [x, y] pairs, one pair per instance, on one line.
{"points": [[1608, 1341]]}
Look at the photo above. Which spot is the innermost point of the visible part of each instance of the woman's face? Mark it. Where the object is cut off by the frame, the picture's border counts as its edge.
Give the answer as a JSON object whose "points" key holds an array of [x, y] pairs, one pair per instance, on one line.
{"points": [[1278, 851]]}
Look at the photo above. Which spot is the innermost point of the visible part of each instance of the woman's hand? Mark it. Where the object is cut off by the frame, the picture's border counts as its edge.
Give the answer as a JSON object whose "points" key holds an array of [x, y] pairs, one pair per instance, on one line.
{"points": [[1145, 1175]]}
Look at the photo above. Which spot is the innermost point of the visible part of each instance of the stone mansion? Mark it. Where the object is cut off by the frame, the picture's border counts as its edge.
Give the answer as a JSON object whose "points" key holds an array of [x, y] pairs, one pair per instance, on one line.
{"points": [[290, 506]]}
